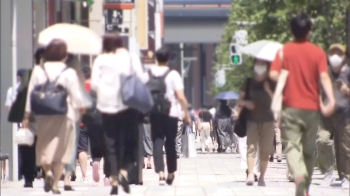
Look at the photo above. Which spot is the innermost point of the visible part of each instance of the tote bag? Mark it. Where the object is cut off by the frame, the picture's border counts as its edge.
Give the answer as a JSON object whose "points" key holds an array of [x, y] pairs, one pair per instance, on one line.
{"points": [[24, 137], [134, 92], [188, 143], [277, 99]]}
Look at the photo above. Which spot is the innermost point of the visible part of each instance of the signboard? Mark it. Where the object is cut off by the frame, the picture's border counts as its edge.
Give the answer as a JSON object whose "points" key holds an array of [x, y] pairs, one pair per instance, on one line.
{"points": [[146, 30], [119, 4], [113, 18]]}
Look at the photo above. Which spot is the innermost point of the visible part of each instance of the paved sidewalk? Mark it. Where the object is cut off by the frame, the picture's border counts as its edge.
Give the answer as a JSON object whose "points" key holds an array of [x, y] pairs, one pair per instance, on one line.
{"points": [[206, 175]]}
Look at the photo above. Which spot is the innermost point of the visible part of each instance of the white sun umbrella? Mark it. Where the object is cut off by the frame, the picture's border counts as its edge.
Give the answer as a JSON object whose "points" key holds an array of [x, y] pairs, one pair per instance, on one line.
{"points": [[79, 39], [263, 49]]}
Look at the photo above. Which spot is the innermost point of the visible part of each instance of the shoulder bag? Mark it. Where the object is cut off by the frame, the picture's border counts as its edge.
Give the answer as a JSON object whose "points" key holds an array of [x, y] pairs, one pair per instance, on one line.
{"points": [[134, 92], [240, 127]]}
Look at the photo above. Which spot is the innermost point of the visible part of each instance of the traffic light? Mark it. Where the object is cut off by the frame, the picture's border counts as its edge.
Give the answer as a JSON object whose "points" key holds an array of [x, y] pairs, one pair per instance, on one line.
{"points": [[235, 57]]}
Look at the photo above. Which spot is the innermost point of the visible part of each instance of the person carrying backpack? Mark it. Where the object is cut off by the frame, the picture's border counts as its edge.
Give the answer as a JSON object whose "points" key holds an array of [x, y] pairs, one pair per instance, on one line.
{"points": [[92, 122], [167, 90]]}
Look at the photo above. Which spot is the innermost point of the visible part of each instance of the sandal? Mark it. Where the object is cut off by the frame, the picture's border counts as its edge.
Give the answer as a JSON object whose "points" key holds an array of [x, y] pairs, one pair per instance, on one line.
{"points": [[48, 183]]}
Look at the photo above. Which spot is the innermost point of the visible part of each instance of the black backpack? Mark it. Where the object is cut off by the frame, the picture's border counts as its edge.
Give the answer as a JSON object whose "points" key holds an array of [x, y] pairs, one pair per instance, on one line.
{"points": [[157, 87], [49, 98]]}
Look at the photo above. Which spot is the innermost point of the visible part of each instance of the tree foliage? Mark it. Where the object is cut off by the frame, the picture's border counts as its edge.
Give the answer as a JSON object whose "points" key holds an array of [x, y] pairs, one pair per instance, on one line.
{"points": [[272, 23]]}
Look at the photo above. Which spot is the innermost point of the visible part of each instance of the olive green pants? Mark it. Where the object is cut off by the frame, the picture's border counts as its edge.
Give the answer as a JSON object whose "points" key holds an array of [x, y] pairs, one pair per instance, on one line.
{"points": [[299, 132], [335, 131]]}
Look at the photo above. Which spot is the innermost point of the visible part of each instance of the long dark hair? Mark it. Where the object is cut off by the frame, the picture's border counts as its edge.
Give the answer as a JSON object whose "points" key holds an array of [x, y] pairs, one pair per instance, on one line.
{"points": [[223, 111]]}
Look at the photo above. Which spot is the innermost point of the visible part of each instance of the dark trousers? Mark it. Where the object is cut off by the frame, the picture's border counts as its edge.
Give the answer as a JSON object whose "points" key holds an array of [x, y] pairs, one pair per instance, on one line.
{"points": [[97, 144], [164, 127], [27, 166], [120, 134]]}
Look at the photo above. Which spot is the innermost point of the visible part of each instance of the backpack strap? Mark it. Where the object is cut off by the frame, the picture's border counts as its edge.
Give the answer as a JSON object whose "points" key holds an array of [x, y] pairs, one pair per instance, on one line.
{"points": [[162, 77], [47, 76], [166, 74]]}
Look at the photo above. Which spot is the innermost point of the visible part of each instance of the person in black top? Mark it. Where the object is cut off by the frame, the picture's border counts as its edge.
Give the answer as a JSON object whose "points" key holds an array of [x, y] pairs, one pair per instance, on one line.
{"points": [[337, 126], [223, 125]]}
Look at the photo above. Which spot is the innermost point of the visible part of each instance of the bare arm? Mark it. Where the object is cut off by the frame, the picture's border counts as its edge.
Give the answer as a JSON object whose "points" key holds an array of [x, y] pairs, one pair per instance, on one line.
{"points": [[182, 100], [327, 87], [274, 75]]}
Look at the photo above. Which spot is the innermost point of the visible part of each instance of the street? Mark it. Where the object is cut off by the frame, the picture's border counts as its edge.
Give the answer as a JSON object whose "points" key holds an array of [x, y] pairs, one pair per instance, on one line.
{"points": [[205, 175]]}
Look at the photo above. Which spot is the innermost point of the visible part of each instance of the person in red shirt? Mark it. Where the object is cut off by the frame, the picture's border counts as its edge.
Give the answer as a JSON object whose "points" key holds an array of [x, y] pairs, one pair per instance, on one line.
{"points": [[307, 66]]}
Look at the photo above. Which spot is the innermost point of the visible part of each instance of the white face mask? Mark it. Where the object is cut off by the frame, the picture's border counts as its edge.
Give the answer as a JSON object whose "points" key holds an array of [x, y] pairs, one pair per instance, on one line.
{"points": [[260, 69], [335, 60]]}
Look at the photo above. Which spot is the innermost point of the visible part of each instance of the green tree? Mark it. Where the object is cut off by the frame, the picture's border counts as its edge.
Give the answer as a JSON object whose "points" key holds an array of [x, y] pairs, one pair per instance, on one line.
{"points": [[272, 23]]}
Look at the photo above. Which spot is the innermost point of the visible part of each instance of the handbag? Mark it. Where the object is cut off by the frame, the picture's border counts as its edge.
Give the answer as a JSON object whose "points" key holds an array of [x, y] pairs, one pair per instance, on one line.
{"points": [[277, 99], [134, 92], [49, 98], [188, 143], [24, 137], [240, 127]]}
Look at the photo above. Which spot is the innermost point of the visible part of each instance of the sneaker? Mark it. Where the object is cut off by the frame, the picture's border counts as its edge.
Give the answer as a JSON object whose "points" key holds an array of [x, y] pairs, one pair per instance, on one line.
{"points": [[250, 180], [85, 180], [328, 179], [107, 182], [28, 185], [345, 184], [279, 159], [162, 181], [95, 171]]}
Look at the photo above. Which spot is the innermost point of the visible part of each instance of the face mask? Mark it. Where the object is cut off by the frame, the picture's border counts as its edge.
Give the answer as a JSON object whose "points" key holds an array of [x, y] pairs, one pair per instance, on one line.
{"points": [[260, 69], [335, 60]]}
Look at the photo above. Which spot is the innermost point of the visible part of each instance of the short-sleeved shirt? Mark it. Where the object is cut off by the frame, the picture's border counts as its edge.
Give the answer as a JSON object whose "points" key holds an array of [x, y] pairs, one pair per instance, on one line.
{"points": [[173, 82], [305, 62], [261, 99], [342, 102]]}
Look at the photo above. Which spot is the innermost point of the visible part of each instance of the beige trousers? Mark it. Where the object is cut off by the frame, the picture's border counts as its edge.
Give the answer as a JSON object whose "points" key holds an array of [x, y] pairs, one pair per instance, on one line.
{"points": [[259, 137], [205, 129]]}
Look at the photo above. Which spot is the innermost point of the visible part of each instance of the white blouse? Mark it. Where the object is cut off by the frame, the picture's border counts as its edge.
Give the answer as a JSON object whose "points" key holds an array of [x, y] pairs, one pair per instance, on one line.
{"points": [[105, 79], [67, 79]]}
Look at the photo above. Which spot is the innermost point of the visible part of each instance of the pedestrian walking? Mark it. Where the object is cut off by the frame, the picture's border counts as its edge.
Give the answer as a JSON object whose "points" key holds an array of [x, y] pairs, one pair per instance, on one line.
{"points": [[120, 123], [307, 66], [335, 130], [147, 141], [179, 131], [205, 127], [256, 96], [277, 144], [167, 90], [55, 133], [27, 153], [92, 121], [223, 126]]}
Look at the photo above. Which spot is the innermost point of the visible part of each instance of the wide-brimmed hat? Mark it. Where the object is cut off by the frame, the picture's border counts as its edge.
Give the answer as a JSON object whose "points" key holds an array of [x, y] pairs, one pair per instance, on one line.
{"points": [[340, 47]]}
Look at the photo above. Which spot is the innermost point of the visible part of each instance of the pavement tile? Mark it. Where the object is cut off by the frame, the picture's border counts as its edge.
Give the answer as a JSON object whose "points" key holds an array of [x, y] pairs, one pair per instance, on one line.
{"points": [[205, 175], [190, 191]]}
